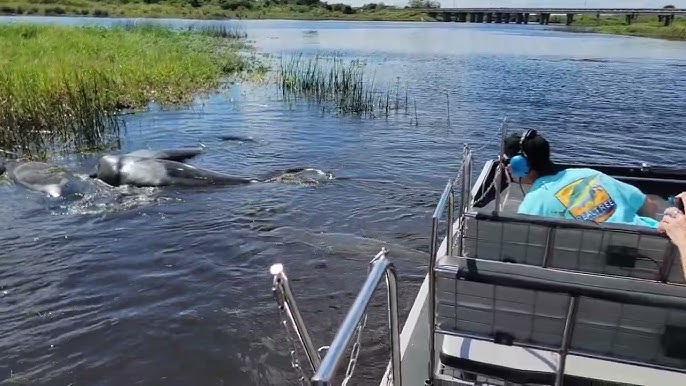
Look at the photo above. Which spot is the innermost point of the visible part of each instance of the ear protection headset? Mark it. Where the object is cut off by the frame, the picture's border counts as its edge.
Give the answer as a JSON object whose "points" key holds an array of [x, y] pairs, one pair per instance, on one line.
{"points": [[519, 164]]}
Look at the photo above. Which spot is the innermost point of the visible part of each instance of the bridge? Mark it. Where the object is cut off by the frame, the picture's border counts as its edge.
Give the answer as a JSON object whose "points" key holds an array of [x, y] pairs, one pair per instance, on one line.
{"points": [[542, 15]]}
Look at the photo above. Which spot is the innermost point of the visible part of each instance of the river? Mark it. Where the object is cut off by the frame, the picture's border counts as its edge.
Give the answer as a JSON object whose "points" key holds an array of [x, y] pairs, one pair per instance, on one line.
{"points": [[171, 286]]}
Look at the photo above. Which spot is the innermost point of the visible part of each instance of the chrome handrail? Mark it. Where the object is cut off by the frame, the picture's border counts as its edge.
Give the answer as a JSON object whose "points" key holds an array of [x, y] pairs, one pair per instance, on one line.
{"points": [[286, 301], [448, 192], [448, 196], [380, 266], [466, 182], [498, 172]]}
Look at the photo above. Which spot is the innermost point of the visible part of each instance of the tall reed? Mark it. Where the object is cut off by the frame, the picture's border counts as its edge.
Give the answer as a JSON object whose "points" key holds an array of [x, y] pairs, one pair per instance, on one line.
{"points": [[37, 124], [221, 31], [331, 81], [62, 87]]}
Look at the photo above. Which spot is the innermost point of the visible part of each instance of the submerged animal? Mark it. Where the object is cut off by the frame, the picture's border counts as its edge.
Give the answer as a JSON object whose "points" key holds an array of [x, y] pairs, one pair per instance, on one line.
{"points": [[236, 138], [43, 177], [159, 168], [143, 168], [148, 168], [56, 181], [179, 155], [140, 171], [306, 176]]}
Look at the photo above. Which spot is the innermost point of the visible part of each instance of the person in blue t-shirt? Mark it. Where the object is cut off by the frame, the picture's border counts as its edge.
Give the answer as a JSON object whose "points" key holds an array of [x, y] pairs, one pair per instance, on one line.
{"points": [[576, 193]]}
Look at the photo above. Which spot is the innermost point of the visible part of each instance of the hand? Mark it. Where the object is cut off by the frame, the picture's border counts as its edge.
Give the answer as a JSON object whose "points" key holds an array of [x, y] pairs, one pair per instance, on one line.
{"points": [[674, 224]]}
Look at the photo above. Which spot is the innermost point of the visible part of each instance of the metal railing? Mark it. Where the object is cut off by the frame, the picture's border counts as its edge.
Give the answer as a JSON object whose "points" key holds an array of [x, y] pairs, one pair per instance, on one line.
{"points": [[326, 368], [286, 301], [657, 11], [447, 197], [464, 180], [381, 266], [498, 178]]}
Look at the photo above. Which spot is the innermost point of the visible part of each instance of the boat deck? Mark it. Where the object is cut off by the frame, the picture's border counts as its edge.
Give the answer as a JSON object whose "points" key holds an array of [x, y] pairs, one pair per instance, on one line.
{"points": [[512, 299], [529, 300]]}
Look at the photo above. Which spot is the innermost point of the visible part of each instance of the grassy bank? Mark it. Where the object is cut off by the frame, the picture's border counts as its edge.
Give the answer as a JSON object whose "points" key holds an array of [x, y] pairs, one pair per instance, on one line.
{"points": [[212, 9], [646, 26], [60, 87]]}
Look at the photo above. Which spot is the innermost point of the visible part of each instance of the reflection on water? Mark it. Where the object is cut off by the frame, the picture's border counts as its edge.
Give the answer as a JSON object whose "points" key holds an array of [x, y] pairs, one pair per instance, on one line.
{"points": [[170, 285]]}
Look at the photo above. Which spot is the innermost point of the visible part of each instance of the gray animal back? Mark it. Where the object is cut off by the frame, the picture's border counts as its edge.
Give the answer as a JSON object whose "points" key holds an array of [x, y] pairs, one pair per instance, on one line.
{"points": [[178, 155], [43, 177], [40, 173], [183, 174]]}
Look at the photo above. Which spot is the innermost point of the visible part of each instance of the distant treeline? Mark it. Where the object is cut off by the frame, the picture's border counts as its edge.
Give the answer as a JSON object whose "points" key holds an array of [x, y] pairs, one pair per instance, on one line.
{"points": [[251, 4], [233, 5]]}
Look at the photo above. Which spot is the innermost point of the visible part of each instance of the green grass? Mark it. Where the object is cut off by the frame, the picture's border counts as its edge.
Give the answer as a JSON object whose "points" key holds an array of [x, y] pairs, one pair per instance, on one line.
{"points": [[342, 86], [207, 9], [60, 87], [646, 26]]}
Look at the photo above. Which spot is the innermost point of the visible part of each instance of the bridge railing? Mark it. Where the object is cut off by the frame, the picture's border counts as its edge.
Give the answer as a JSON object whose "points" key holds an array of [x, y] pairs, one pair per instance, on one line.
{"points": [[665, 11]]}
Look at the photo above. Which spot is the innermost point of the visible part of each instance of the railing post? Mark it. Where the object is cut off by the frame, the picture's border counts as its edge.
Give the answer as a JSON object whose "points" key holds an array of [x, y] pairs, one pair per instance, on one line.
{"points": [[394, 324], [570, 321], [499, 169], [433, 254], [432, 295], [286, 300], [465, 195], [451, 216], [468, 179], [381, 267]]}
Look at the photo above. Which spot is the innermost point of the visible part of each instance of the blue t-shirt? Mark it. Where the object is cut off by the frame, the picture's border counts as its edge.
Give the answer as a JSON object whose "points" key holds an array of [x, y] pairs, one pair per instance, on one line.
{"points": [[586, 194]]}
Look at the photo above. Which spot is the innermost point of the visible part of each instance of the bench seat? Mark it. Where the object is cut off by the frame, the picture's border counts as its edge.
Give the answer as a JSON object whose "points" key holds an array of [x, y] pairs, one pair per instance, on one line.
{"points": [[610, 249], [624, 320], [524, 365]]}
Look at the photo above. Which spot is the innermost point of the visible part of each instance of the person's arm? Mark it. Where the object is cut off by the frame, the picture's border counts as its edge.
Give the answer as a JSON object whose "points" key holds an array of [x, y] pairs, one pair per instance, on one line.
{"points": [[533, 205], [641, 203], [674, 225], [649, 208], [682, 195]]}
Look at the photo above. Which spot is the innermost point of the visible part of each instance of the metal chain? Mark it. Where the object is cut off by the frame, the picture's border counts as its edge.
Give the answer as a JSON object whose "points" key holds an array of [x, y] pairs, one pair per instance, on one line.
{"points": [[295, 363], [497, 176], [492, 185], [355, 352], [495, 136], [389, 378], [459, 175]]}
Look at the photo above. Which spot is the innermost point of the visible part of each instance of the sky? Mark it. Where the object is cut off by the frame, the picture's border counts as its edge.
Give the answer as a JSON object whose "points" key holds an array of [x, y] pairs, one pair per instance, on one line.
{"points": [[539, 3]]}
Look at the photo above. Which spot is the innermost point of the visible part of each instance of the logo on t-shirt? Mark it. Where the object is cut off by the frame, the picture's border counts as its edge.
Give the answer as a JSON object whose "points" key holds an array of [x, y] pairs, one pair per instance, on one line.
{"points": [[586, 199]]}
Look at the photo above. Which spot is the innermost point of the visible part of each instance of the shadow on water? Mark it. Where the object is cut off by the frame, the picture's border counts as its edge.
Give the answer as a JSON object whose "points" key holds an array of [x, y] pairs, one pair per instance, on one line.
{"points": [[170, 285]]}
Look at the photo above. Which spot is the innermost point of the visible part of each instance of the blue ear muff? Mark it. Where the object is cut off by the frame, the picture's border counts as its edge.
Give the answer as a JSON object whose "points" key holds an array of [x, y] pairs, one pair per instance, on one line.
{"points": [[519, 166]]}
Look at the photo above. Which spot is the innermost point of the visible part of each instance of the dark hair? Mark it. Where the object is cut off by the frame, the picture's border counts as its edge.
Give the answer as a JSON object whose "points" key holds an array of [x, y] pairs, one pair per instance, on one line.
{"points": [[537, 151]]}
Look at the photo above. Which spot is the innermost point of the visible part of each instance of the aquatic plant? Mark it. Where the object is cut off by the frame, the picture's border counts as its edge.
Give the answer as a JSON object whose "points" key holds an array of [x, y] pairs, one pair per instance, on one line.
{"points": [[61, 88], [343, 86], [222, 31], [36, 124]]}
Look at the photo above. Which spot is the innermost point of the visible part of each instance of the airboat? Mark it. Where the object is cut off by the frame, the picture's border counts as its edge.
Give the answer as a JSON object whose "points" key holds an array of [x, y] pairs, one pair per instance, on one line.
{"points": [[512, 299]]}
